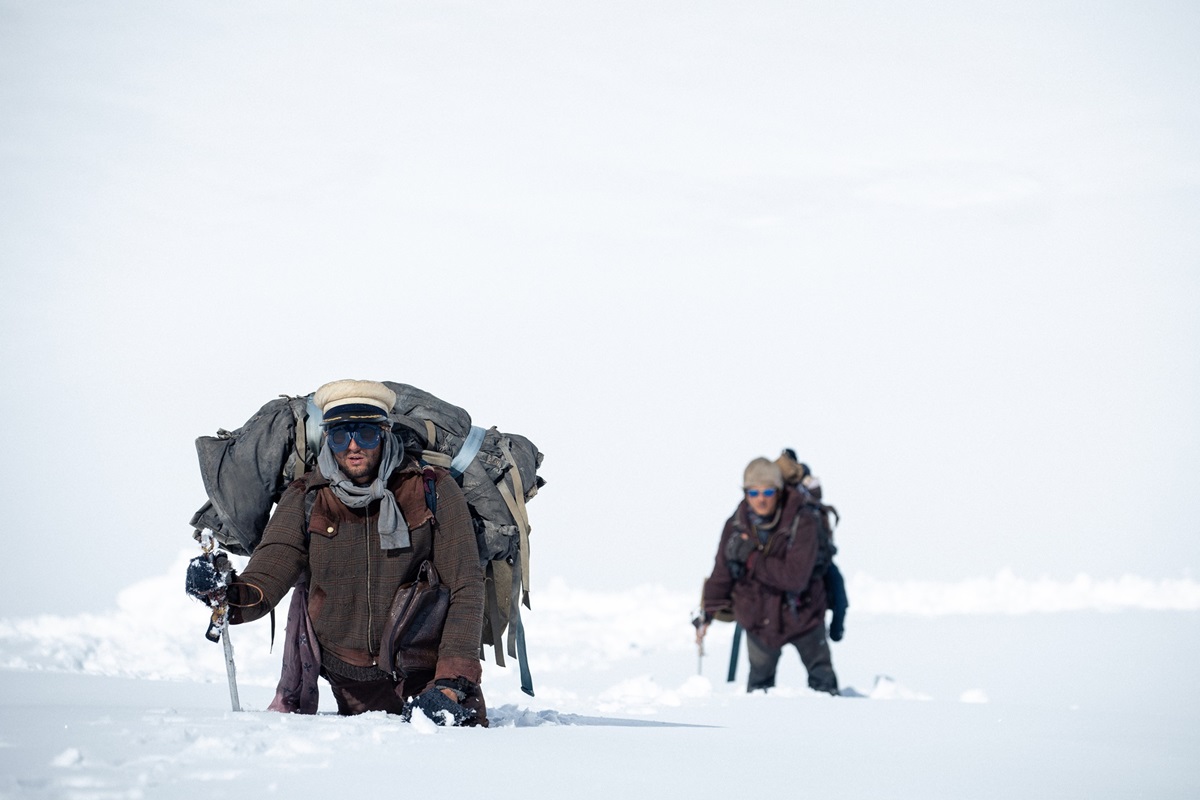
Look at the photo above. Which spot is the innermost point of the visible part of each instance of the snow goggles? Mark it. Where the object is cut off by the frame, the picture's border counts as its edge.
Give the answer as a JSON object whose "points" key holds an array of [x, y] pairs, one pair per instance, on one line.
{"points": [[763, 492], [367, 436]]}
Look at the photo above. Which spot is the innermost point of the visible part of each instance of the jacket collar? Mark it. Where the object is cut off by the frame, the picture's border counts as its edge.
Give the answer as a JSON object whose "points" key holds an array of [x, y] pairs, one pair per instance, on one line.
{"points": [[406, 483]]}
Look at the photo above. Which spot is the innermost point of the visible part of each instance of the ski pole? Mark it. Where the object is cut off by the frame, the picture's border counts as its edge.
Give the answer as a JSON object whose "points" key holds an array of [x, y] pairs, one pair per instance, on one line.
{"points": [[733, 655], [218, 629], [231, 670]]}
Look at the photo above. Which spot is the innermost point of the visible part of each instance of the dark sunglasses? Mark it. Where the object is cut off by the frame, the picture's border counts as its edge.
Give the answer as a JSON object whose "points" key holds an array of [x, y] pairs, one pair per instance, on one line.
{"points": [[763, 492], [367, 437]]}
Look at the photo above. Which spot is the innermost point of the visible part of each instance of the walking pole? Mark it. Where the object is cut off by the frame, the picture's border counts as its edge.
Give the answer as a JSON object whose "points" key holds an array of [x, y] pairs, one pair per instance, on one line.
{"points": [[218, 626], [733, 655], [698, 624]]}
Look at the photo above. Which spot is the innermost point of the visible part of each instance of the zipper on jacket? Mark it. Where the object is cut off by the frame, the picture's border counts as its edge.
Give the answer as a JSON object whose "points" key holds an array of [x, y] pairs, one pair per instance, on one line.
{"points": [[370, 619]]}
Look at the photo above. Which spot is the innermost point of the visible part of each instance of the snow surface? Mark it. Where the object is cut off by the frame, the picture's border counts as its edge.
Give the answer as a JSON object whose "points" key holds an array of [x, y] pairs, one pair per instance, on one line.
{"points": [[991, 697]]}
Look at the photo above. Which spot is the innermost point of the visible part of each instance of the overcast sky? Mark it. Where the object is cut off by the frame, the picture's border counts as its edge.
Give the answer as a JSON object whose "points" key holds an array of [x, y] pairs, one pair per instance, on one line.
{"points": [[947, 251]]}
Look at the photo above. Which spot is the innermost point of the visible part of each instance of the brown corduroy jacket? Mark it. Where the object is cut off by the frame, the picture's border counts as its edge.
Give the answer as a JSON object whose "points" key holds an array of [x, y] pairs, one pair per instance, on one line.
{"points": [[352, 580]]}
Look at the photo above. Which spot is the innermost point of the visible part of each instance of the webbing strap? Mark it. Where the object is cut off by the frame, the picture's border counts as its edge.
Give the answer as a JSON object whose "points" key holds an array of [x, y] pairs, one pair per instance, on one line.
{"points": [[435, 458], [298, 463], [516, 634], [515, 499], [513, 508], [523, 659], [514, 610], [519, 512], [431, 456], [301, 444], [493, 603], [468, 451], [522, 564]]}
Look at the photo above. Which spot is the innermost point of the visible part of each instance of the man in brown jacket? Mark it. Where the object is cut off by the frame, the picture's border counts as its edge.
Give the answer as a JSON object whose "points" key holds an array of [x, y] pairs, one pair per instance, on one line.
{"points": [[768, 568], [358, 528]]}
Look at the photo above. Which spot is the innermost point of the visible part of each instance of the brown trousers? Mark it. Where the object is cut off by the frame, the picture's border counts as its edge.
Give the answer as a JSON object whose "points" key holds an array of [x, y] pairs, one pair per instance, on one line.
{"points": [[357, 697]]}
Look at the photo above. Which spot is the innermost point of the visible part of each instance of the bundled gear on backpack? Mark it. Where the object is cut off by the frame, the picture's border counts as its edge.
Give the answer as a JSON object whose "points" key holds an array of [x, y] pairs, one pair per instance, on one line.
{"points": [[798, 475], [246, 471]]}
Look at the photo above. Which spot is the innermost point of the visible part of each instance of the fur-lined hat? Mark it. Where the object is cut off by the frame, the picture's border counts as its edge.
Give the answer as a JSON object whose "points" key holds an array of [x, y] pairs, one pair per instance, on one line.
{"points": [[354, 401]]}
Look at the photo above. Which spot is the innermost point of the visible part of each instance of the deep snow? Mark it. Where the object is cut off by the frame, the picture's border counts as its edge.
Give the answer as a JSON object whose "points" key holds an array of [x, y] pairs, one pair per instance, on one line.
{"points": [[988, 699]]}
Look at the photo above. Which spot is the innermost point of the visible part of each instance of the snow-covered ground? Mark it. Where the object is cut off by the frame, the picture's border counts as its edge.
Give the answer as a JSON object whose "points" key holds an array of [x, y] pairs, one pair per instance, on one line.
{"points": [[967, 691]]}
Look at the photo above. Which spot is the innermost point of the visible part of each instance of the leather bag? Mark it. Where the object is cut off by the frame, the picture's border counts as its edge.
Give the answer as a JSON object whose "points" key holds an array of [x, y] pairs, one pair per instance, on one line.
{"points": [[413, 631]]}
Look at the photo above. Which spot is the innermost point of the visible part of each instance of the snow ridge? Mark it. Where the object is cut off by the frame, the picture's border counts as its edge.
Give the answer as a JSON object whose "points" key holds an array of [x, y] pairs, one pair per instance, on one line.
{"points": [[157, 631], [1008, 594]]}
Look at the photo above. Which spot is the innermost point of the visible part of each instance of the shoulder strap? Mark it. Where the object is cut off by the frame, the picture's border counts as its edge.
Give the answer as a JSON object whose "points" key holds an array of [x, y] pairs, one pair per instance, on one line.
{"points": [[825, 547], [310, 500], [298, 462]]}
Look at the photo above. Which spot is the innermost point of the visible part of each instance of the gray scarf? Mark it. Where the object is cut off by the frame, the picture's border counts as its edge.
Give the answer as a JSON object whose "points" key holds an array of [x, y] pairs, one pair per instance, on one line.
{"points": [[393, 528], [764, 525]]}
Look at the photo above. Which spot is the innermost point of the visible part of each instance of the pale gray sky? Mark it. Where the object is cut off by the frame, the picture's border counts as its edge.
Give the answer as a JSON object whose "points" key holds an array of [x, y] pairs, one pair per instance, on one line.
{"points": [[947, 251]]}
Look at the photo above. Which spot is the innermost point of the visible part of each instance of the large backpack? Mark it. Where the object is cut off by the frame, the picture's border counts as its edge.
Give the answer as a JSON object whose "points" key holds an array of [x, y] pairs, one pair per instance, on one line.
{"points": [[800, 477], [245, 472]]}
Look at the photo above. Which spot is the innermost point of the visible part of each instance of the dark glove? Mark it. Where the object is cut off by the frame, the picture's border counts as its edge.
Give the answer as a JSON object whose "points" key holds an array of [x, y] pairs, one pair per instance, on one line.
{"points": [[737, 552], [439, 708], [837, 628], [208, 576], [739, 547]]}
